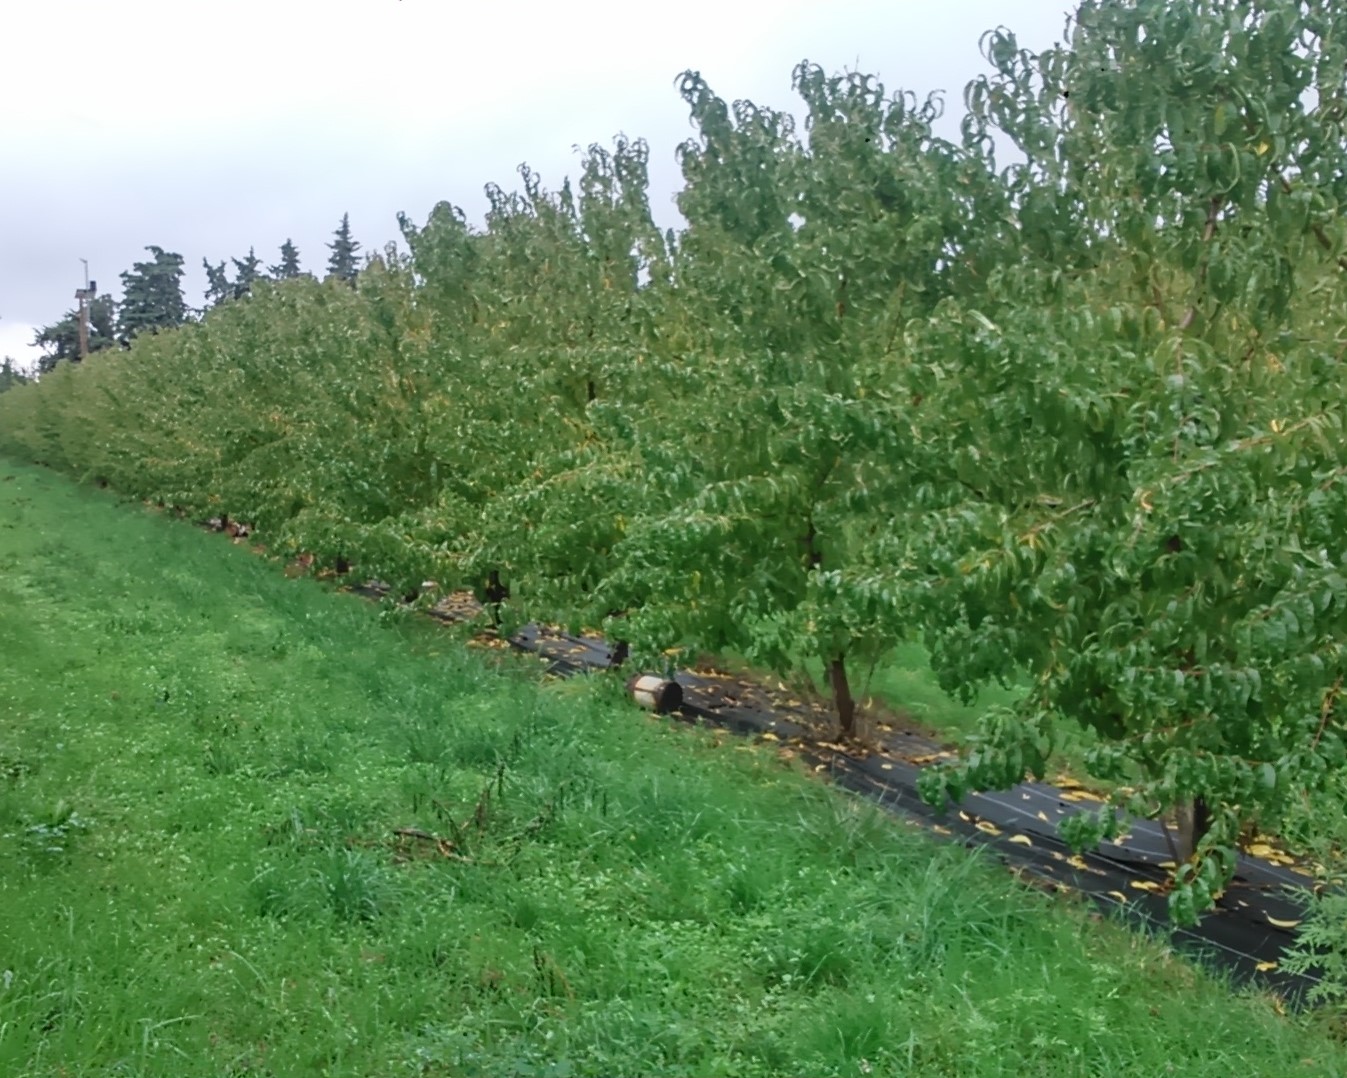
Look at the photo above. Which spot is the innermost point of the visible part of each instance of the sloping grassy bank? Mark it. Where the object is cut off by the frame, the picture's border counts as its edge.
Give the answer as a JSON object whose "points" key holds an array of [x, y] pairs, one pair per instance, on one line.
{"points": [[204, 768]]}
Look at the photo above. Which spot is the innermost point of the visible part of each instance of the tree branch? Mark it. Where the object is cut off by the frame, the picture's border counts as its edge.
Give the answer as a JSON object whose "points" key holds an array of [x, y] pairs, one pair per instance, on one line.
{"points": [[1316, 229]]}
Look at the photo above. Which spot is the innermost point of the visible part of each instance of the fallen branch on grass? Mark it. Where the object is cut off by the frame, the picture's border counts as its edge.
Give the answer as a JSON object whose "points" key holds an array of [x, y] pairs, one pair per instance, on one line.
{"points": [[442, 845]]}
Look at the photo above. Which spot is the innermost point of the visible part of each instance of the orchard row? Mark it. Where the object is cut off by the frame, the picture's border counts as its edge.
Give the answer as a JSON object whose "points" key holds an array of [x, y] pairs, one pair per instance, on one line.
{"points": [[1077, 421]]}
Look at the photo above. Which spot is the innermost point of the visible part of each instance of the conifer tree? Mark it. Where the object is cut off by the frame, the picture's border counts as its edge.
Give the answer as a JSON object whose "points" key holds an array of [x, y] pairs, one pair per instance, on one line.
{"points": [[218, 288], [152, 295], [288, 267], [11, 375], [248, 270], [342, 262]]}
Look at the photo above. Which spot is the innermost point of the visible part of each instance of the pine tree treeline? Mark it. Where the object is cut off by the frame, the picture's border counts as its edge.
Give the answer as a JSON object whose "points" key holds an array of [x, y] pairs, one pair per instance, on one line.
{"points": [[153, 300], [1077, 423]]}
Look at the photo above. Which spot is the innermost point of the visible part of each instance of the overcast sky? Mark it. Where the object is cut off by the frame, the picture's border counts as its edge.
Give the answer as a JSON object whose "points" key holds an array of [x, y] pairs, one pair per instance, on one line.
{"points": [[210, 128]]}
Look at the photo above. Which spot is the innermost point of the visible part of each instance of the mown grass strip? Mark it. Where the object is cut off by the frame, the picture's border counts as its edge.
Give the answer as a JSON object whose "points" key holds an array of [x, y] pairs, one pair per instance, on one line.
{"points": [[248, 826]]}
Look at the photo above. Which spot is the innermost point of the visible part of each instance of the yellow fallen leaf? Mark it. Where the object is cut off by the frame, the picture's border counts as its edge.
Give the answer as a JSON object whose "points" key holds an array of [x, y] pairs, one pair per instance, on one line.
{"points": [[1118, 895], [1023, 840], [1043, 816], [1270, 854], [941, 830], [1076, 861], [1144, 885], [1282, 924], [1264, 967], [886, 767], [1079, 795], [989, 828]]}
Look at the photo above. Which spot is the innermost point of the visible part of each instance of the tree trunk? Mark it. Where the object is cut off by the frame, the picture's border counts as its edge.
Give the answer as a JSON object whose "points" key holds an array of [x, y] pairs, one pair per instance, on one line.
{"points": [[1193, 820], [842, 699], [495, 594]]}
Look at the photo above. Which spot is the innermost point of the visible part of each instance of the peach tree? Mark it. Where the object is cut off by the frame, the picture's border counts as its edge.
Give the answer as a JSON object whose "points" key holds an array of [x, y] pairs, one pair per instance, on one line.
{"points": [[1137, 487], [780, 456]]}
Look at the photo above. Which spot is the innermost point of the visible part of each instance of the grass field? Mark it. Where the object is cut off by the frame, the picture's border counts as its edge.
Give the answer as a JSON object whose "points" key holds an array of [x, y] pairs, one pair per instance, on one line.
{"points": [[203, 770]]}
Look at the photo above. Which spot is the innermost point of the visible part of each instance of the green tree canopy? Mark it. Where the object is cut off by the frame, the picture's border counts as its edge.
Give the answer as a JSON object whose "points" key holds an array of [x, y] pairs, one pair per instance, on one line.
{"points": [[567, 270], [801, 263], [1141, 419], [152, 295]]}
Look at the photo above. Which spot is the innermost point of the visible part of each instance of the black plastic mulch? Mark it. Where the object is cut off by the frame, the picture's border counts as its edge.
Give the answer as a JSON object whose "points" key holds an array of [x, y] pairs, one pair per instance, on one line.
{"points": [[1246, 935]]}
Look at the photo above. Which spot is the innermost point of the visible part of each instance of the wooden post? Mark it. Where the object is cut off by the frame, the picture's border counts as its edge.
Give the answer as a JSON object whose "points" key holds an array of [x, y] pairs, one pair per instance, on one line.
{"points": [[85, 296], [82, 294]]}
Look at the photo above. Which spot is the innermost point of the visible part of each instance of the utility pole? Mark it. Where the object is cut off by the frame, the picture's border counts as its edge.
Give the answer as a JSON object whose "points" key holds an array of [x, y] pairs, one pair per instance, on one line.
{"points": [[85, 296]]}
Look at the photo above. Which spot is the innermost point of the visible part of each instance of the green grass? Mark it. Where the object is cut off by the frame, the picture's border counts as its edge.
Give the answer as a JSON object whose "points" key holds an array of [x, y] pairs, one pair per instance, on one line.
{"points": [[202, 766]]}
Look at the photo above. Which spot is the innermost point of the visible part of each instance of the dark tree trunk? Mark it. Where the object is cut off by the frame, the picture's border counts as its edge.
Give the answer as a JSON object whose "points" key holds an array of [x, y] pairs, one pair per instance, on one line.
{"points": [[842, 699], [1193, 819], [495, 594]]}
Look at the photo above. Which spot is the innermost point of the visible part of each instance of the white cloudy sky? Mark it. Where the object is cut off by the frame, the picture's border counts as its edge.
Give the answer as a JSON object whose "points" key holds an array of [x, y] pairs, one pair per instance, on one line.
{"points": [[210, 128]]}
